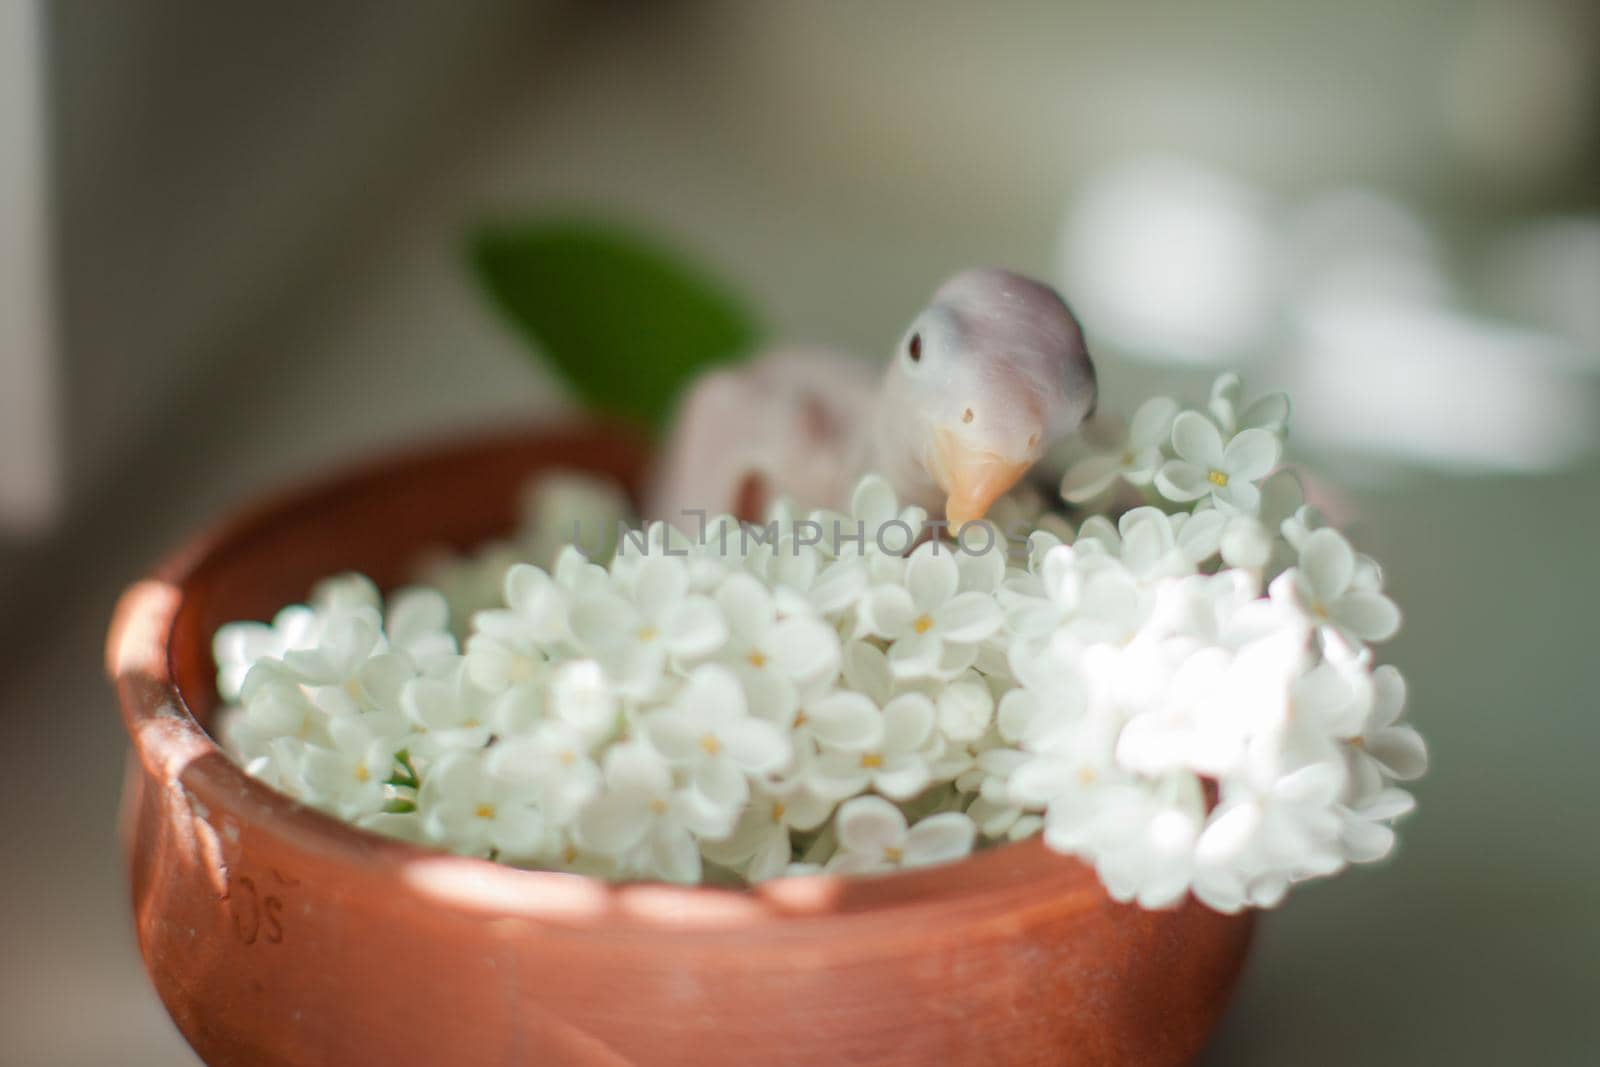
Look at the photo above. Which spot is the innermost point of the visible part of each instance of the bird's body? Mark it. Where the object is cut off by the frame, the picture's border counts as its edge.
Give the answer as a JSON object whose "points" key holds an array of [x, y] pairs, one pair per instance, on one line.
{"points": [[987, 377], [793, 422]]}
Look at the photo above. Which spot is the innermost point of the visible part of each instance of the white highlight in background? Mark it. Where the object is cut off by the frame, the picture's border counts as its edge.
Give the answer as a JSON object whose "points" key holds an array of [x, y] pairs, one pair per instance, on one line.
{"points": [[1171, 261]]}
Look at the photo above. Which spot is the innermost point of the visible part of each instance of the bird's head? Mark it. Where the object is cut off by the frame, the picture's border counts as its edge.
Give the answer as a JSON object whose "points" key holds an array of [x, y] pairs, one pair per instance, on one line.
{"points": [[988, 377]]}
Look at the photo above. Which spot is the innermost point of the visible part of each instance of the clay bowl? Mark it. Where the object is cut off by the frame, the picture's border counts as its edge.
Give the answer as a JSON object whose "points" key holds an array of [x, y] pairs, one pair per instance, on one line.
{"points": [[275, 934]]}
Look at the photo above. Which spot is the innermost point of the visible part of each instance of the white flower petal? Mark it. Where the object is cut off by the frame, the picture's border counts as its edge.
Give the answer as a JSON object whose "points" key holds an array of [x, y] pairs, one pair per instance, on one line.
{"points": [[722, 786], [845, 719], [746, 606], [887, 610], [965, 709], [804, 649], [915, 655], [694, 627], [1181, 480], [755, 746], [968, 617], [939, 839], [1327, 562], [931, 576], [675, 734], [869, 825], [612, 824], [1251, 455], [1152, 422], [1088, 478], [908, 722], [1370, 616], [674, 854], [1401, 752], [1195, 438], [903, 780], [1240, 496]]}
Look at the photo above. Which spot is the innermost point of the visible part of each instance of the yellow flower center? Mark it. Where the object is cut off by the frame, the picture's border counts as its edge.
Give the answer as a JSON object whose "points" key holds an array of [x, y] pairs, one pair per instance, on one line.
{"points": [[570, 854], [777, 812], [363, 775], [892, 854], [658, 806], [1087, 776], [923, 624], [568, 757], [757, 659], [484, 811], [711, 745], [1218, 478], [800, 719], [871, 761], [648, 633]]}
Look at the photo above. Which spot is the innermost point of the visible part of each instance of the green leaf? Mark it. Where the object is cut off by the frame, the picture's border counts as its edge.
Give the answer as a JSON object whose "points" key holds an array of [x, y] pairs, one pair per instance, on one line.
{"points": [[627, 323], [400, 806]]}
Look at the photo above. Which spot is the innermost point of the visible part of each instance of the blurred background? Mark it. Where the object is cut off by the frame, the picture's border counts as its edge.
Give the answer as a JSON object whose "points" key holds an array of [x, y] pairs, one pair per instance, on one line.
{"points": [[231, 253]]}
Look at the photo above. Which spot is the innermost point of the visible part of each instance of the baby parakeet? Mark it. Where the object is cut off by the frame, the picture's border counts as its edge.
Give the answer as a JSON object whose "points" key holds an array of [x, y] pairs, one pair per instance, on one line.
{"points": [[987, 377]]}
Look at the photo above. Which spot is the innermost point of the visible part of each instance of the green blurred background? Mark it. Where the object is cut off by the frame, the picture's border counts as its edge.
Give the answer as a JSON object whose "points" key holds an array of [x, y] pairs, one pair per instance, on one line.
{"points": [[232, 254]]}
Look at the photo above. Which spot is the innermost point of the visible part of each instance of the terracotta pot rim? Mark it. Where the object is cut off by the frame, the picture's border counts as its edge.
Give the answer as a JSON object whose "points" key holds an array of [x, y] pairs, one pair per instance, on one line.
{"points": [[169, 737]]}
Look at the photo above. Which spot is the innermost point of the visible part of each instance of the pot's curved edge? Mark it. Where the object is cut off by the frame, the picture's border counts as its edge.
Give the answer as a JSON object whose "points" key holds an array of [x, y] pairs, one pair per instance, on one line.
{"points": [[256, 914]]}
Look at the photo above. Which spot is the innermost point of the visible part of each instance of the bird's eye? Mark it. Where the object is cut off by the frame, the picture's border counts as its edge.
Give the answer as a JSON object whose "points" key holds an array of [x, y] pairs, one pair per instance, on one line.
{"points": [[914, 348]]}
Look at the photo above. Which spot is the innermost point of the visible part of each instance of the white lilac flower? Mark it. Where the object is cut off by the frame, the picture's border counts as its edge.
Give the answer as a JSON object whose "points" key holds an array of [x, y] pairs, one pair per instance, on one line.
{"points": [[1140, 835], [345, 593], [1384, 748], [874, 838], [635, 637], [1232, 413], [417, 625], [239, 646], [1257, 542], [1365, 833], [1271, 831], [513, 646], [709, 732], [581, 697], [347, 777], [1323, 586], [1208, 467], [1137, 459], [643, 819], [1152, 544], [877, 524], [761, 845], [965, 708], [779, 660], [895, 759], [473, 812], [803, 579], [447, 713], [554, 762], [934, 628], [348, 639]]}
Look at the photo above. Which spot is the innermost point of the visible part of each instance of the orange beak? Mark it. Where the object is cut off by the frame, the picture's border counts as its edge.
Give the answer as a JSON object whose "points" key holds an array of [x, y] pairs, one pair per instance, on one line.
{"points": [[973, 479]]}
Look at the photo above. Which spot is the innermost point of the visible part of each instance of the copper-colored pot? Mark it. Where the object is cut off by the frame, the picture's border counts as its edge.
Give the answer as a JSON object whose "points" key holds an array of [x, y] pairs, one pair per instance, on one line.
{"points": [[275, 934]]}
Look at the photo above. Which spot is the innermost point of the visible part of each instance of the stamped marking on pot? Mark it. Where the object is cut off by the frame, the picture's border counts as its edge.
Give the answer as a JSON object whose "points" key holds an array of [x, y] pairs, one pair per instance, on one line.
{"points": [[257, 913]]}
